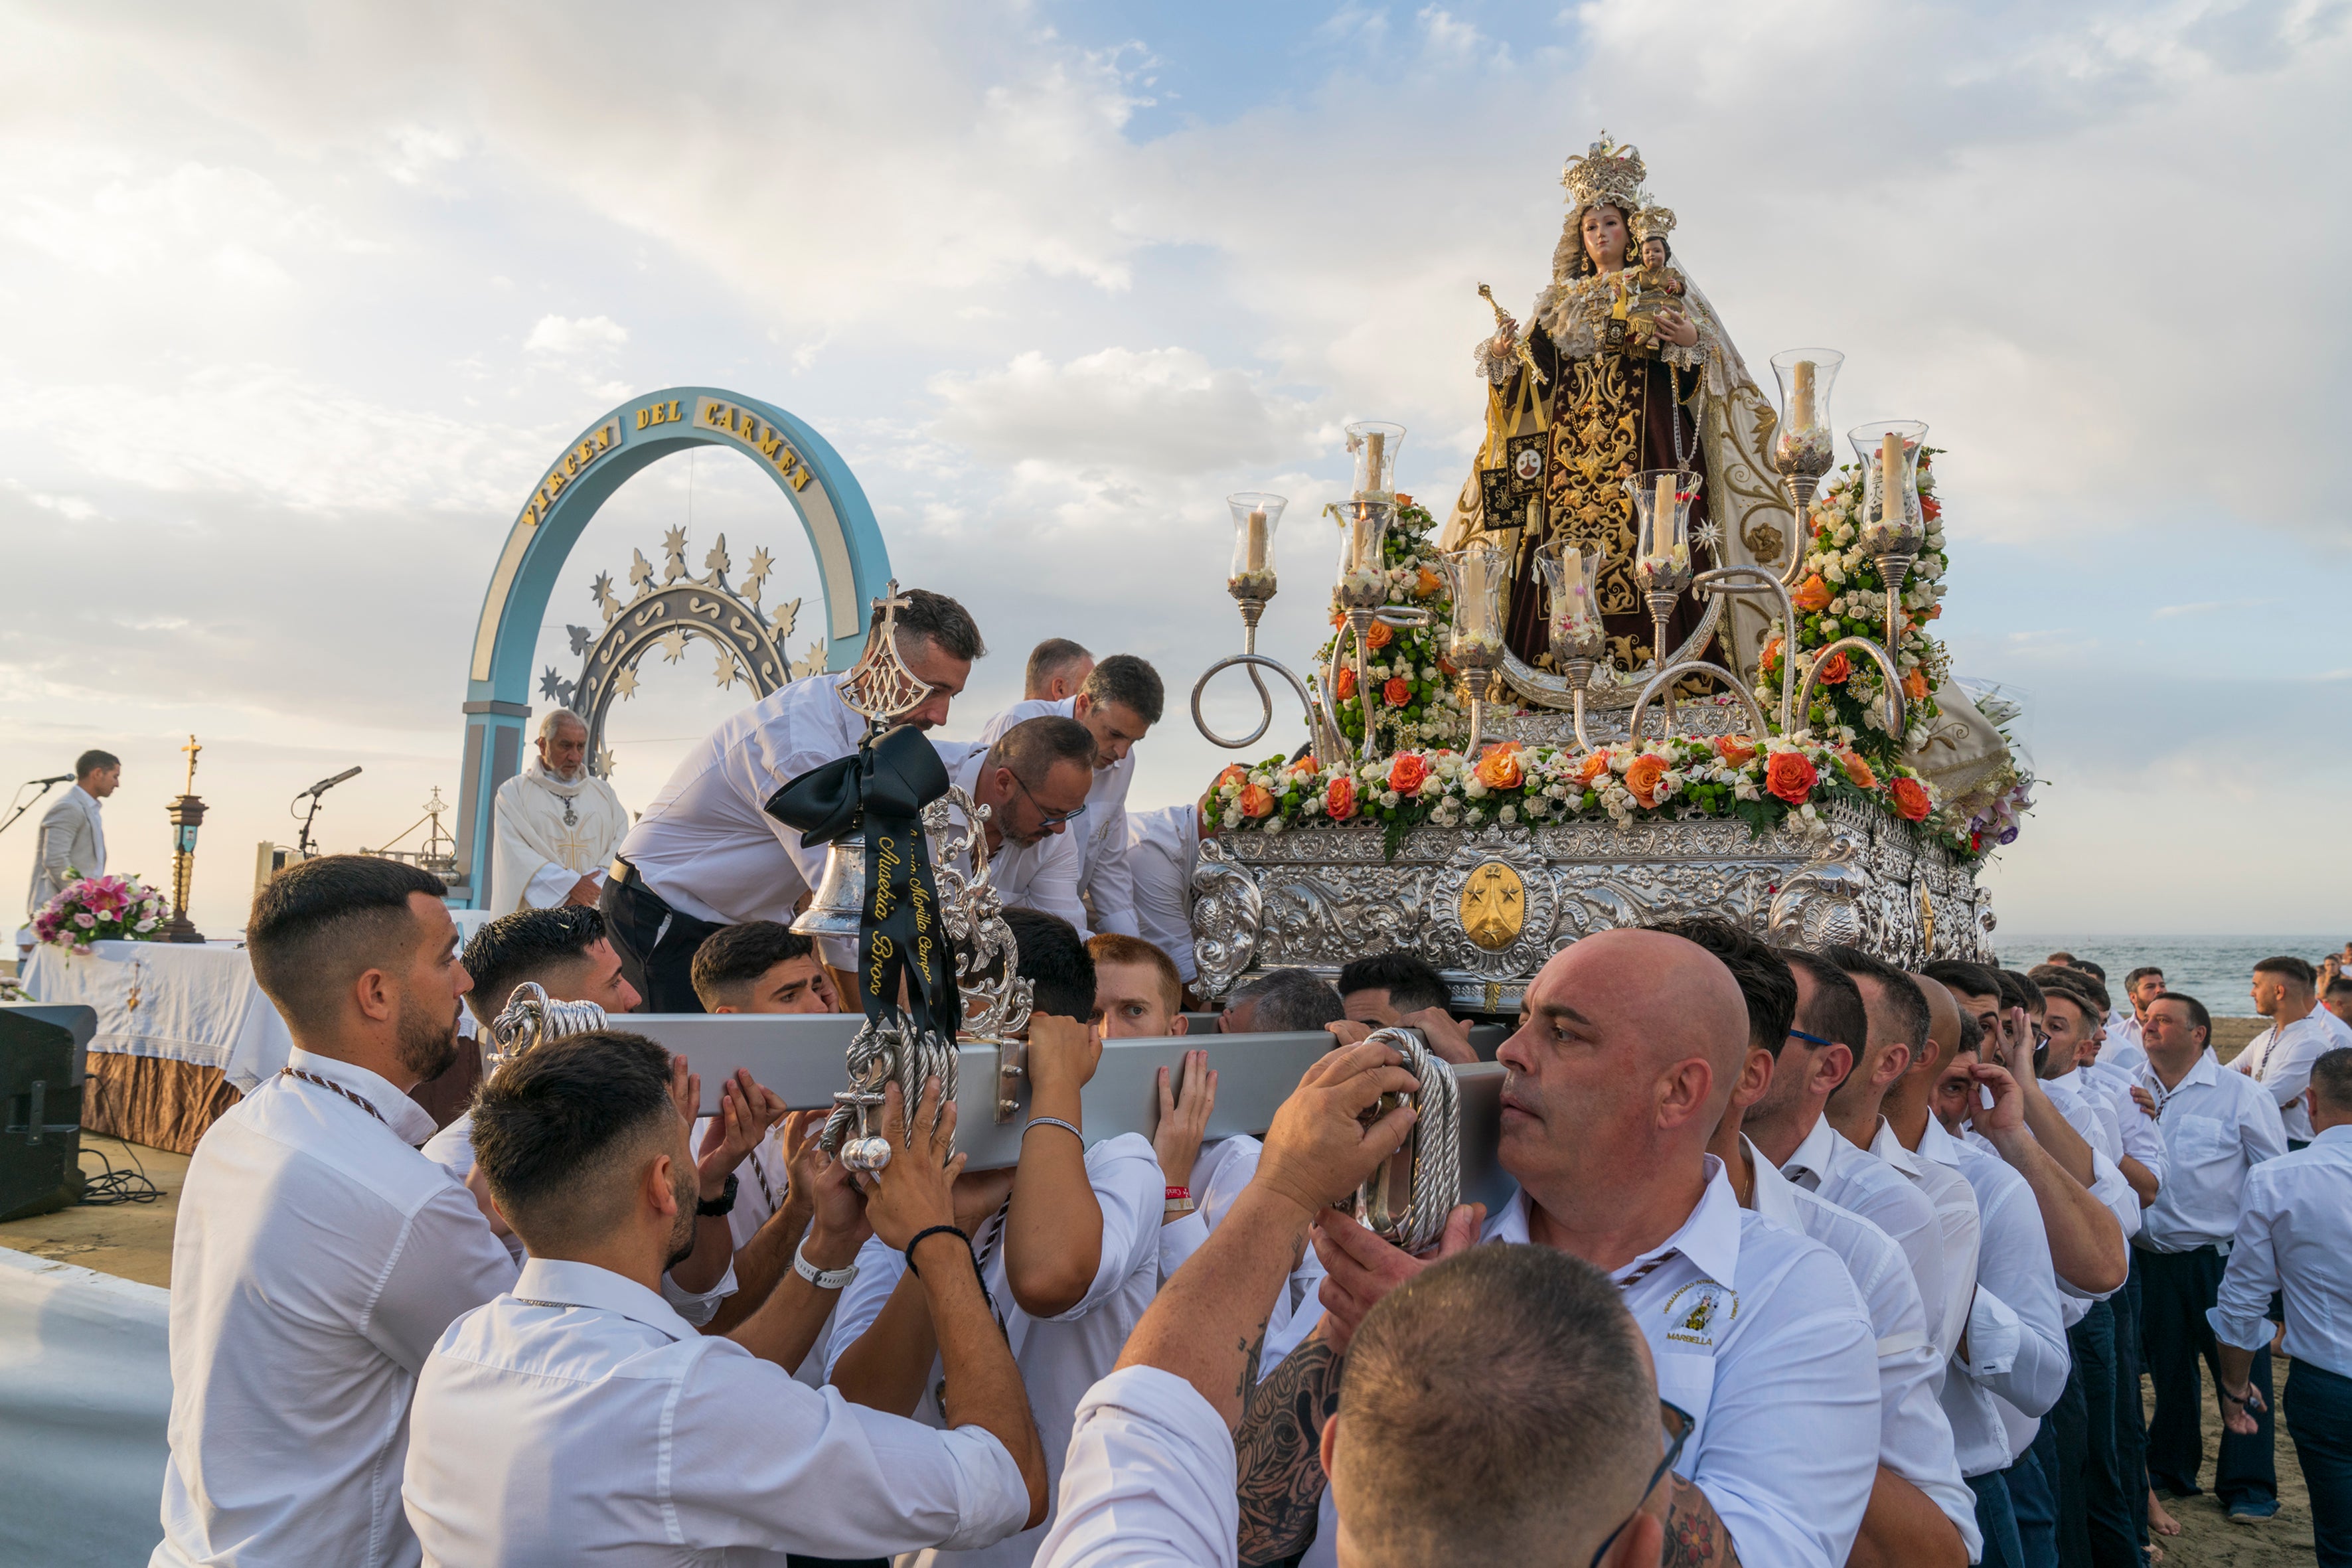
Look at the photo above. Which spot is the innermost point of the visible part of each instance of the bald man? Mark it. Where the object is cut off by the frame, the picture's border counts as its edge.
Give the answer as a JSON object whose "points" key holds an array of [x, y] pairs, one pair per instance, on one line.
{"points": [[1629, 1046]]}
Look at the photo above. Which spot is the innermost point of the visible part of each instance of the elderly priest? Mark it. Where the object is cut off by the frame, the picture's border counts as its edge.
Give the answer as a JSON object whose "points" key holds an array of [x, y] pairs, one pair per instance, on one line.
{"points": [[558, 824]]}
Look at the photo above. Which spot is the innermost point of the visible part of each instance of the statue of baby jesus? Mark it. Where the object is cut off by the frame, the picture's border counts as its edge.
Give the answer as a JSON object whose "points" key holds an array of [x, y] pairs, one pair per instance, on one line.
{"points": [[1652, 287]]}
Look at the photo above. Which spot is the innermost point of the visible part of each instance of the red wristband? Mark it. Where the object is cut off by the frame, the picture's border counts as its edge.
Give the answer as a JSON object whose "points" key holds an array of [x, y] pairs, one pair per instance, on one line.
{"points": [[1177, 1195]]}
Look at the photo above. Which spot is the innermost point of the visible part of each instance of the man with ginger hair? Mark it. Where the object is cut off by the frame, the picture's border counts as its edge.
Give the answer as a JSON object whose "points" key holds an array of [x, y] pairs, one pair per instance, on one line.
{"points": [[1629, 1048]]}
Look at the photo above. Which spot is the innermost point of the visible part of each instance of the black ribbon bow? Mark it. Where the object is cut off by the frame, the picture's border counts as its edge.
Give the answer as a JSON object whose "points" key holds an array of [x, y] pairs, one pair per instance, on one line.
{"points": [[881, 789]]}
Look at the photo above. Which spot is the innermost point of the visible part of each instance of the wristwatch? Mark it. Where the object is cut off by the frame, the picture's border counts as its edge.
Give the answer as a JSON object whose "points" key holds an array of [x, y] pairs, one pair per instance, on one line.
{"points": [[724, 1204], [823, 1278], [1179, 1203]]}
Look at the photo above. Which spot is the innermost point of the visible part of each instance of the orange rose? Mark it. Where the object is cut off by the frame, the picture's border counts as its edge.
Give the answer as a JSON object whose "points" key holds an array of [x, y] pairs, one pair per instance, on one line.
{"points": [[1594, 765], [1735, 750], [1835, 669], [1428, 583], [1813, 595], [1858, 769], [1791, 777], [1935, 612], [1339, 619], [1641, 779], [1258, 801], [1406, 774], [1345, 687], [1381, 634], [1339, 800], [1403, 500], [1915, 686], [1911, 801], [1397, 692], [1234, 774], [1500, 769], [1306, 765], [1770, 657]]}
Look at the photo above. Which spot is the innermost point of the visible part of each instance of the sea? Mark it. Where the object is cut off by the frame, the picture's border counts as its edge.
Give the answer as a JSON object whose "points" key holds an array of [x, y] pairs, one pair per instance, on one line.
{"points": [[2216, 970]]}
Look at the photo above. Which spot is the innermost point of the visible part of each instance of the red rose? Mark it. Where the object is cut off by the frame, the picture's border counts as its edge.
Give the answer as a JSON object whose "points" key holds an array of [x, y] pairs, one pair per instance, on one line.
{"points": [[1397, 692], [1791, 777], [1345, 687], [1835, 669], [1407, 772], [1339, 800], [1930, 507], [1911, 801]]}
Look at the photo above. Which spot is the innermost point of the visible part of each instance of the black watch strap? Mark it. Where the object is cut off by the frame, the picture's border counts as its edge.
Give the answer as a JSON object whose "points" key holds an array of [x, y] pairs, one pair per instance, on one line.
{"points": [[721, 1205]]}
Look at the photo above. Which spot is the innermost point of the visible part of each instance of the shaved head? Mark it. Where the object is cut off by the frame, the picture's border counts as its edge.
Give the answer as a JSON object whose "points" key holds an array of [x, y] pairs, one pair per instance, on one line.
{"points": [[1943, 1024], [1629, 1045]]}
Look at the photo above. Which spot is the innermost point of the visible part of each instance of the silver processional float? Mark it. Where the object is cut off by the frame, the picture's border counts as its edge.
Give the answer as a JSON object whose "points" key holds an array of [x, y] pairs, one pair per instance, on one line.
{"points": [[884, 899]]}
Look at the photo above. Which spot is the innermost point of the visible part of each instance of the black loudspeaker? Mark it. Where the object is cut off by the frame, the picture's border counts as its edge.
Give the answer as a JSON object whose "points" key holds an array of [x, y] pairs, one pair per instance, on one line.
{"points": [[41, 1058]]}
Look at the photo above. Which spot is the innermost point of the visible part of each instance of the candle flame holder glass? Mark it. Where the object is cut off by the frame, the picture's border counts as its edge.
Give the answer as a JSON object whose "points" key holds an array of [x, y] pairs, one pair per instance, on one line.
{"points": [[1571, 574], [1663, 499], [1363, 580], [1804, 446], [1373, 444], [1476, 572], [1256, 518], [1888, 450]]}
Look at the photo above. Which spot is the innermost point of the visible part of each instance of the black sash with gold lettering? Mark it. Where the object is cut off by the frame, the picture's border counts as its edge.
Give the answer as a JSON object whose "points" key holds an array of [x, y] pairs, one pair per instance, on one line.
{"points": [[881, 790]]}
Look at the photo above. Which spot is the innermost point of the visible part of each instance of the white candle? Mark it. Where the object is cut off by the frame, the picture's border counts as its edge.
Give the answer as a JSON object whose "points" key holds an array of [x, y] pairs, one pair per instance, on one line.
{"points": [[1376, 443], [1662, 518], [1254, 550], [1891, 508], [1800, 396], [1473, 611]]}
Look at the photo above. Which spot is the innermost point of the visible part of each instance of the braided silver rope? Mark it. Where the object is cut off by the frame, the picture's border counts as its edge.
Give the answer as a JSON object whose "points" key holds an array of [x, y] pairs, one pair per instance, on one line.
{"points": [[1429, 1166], [531, 1018], [879, 1055]]}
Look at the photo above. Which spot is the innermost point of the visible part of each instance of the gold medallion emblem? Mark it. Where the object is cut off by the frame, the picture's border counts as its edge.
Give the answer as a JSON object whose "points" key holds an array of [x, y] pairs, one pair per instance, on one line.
{"points": [[1493, 905]]}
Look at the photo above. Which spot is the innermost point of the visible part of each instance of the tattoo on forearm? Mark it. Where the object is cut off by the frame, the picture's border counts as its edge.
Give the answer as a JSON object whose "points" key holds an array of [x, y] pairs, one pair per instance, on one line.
{"points": [[1277, 1449], [1251, 1350], [1694, 1536]]}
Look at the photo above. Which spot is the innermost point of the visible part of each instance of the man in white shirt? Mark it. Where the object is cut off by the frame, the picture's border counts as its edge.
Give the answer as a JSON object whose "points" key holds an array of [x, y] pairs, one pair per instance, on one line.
{"points": [[2294, 1236], [1056, 668], [1631, 1046], [2124, 1046], [706, 852], [1033, 780], [1903, 1118], [2280, 1057], [557, 824], [318, 1255], [1071, 1260], [2337, 999], [2218, 1126], [1551, 1405], [578, 1419], [71, 840], [1163, 849], [1119, 703]]}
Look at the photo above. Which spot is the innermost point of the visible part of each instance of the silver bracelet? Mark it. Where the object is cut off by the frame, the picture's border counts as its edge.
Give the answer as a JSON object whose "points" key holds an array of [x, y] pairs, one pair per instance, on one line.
{"points": [[1054, 1122], [823, 1278]]}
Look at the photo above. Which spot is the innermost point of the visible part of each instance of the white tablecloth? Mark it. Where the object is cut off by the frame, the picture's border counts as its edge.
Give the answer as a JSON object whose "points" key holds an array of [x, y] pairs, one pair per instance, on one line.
{"points": [[196, 1002]]}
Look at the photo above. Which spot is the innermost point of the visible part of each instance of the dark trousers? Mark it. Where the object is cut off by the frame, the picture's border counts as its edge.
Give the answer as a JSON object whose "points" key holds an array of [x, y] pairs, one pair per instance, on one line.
{"points": [[2319, 1419], [2178, 1289], [2034, 1502], [1996, 1521], [2059, 1448], [655, 943], [2108, 1498], [2131, 1420]]}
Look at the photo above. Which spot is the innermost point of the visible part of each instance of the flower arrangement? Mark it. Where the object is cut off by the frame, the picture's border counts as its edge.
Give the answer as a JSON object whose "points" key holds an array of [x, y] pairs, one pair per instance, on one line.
{"points": [[99, 909], [1414, 699], [1838, 595], [1764, 784]]}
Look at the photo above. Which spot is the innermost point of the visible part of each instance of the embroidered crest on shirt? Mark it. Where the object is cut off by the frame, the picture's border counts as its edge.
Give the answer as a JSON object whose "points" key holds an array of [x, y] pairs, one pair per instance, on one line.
{"points": [[1698, 1310]]}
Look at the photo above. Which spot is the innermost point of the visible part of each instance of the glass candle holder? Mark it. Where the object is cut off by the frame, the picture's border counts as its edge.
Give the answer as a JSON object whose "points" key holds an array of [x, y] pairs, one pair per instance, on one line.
{"points": [[1256, 516], [1373, 444], [1803, 446], [1363, 579], [1888, 450], [1477, 573], [1661, 503], [1572, 575]]}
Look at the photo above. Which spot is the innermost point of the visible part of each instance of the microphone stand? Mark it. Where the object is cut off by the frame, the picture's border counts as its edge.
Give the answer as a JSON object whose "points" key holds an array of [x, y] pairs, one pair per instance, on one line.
{"points": [[47, 785], [302, 842]]}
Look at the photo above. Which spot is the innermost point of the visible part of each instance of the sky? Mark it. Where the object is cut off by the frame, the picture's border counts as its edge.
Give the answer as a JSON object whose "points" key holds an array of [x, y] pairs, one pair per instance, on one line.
{"points": [[297, 300]]}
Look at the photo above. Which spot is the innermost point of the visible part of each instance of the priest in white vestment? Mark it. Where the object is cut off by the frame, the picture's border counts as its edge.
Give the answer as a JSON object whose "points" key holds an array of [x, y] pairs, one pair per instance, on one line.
{"points": [[557, 824]]}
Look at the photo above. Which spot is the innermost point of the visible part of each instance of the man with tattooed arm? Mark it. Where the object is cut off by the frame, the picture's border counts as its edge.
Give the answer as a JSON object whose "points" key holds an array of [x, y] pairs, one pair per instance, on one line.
{"points": [[1629, 1047]]}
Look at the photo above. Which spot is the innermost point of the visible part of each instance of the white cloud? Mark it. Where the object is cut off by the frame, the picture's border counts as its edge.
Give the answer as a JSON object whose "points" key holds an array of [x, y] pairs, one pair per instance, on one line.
{"points": [[566, 335], [1158, 411]]}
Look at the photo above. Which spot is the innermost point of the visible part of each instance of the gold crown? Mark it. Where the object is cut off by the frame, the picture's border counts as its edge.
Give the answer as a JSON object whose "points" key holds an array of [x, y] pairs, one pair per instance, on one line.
{"points": [[1607, 172], [1652, 223]]}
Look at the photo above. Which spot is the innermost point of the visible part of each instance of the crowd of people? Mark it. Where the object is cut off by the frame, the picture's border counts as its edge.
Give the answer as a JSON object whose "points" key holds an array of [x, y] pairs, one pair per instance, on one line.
{"points": [[1810, 1259]]}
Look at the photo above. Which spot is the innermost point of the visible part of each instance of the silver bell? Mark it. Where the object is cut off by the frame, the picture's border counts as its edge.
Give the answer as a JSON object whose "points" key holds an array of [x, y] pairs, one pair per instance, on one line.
{"points": [[839, 901]]}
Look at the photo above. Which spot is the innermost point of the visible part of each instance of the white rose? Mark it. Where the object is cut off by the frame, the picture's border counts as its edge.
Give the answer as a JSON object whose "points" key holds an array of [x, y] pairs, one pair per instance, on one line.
{"points": [[1389, 798], [1473, 816], [1508, 816]]}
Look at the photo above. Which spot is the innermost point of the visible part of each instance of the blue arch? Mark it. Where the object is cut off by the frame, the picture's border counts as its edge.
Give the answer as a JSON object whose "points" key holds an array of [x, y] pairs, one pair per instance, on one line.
{"points": [[852, 564]]}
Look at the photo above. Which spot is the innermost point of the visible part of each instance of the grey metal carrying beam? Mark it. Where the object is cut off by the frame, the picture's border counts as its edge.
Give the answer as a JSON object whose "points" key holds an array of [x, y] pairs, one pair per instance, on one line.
{"points": [[799, 1056]]}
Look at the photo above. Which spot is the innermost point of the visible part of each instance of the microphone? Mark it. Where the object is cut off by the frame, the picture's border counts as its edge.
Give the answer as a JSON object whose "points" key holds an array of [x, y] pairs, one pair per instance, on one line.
{"points": [[323, 785], [55, 779]]}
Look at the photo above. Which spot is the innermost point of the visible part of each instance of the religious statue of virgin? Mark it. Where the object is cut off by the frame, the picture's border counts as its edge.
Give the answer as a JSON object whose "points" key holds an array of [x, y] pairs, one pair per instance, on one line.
{"points": [[1623, 366]]}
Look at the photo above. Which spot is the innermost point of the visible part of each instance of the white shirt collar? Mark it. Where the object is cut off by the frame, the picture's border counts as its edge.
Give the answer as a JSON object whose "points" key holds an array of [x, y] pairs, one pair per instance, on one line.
{"points": [[1889, 1148], [1776, 1197], [1817, 1153], [1938, 1144], [1710, 1237], [2203, 1072], [409, 1122], [559, 1282]]}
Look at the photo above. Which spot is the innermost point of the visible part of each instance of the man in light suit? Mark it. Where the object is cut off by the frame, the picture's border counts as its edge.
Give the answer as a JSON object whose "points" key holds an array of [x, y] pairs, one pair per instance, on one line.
{"points": [[73, 839]]}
